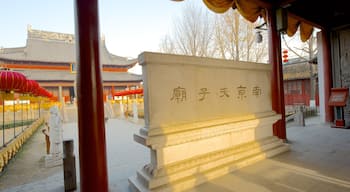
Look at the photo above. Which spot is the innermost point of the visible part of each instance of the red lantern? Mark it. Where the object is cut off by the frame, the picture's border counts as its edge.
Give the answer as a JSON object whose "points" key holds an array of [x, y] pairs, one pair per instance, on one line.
{"points": [[50, 95], [5, 81], [128, 92], [285, 56], [44, 92], [11, 80], [137, 91], [27, 88], [34, 87], [20, 81], [122, 93], [38, 91]]}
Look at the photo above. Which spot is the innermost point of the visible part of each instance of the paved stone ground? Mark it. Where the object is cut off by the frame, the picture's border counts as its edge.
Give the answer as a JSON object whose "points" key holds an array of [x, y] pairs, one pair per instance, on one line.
{"points": [[28, 164], [318, 161], [26, 173]]}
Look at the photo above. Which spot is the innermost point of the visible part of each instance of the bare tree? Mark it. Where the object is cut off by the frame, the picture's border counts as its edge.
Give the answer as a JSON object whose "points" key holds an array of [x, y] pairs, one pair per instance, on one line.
{"points": [[228, 27], [167, 45], [220, 41], [235, 38], [192, 33], [260, 53], [227, 36], [305, 52]]}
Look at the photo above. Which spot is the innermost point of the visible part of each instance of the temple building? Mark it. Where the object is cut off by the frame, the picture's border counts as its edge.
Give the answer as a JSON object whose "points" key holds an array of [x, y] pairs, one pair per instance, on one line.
{"points": [[300, 79], [50, 59]]}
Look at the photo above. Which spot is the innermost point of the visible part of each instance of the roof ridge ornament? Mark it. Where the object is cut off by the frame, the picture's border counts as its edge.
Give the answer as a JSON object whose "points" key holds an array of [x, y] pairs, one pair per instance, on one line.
{"points": [[29, 27], [48, 35]]}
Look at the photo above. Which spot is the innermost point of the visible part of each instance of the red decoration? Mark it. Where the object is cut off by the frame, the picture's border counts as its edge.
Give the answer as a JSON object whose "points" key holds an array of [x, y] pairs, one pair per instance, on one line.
{"points": [[30, 87], [27, 88], [128, 92], [136, 91], [122, 93], [49, 94], [11, 80], [285, 56]]}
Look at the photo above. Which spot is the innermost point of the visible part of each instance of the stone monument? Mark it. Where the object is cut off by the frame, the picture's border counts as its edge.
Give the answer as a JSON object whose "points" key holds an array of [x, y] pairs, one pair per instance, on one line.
{"points": [[122, 111], [135, 111], [203, 119], [56, 138]]}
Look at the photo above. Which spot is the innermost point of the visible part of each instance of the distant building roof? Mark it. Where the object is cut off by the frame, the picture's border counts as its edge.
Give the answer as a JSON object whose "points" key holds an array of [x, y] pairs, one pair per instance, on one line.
{"points": [[66, 76], [298, 71], [45, 46]]}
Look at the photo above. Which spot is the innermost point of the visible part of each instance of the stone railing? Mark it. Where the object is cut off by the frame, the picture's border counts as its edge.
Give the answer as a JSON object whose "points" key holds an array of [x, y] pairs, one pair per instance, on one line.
{"points": [[10, 150]]}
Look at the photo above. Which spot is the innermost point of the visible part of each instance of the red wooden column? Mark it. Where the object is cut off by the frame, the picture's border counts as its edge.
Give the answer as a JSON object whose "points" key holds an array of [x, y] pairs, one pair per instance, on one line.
{"points": [[327, 74], [277, 91], [92, 142]]}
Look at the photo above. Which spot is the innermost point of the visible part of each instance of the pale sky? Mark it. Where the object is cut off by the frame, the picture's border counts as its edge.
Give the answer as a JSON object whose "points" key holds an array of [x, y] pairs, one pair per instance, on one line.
{"points": [[130, 27]]}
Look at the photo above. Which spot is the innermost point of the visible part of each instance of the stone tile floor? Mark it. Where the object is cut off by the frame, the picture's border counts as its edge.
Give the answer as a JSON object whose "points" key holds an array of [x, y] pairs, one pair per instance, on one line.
{"points": [[318, 161], [27, 172]]}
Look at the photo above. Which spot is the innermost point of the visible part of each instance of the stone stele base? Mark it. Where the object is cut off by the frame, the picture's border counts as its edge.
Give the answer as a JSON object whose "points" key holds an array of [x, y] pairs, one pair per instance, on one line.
{"points": [[53, 160], [198, 154]]}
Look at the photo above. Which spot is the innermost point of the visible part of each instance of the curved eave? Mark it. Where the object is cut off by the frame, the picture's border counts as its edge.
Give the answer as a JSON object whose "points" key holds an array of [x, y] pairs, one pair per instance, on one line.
{"points": [[20, 61], [128, 66], [54, 75]]}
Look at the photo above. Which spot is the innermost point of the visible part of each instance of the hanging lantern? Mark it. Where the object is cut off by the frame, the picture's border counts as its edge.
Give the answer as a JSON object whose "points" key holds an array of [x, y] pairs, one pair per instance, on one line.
{"points": [[43, 92], [285, 56], [34, 87], [136, 91], [129, 92], [49, 94], [20, 81], [26, 90], [11, 80]]}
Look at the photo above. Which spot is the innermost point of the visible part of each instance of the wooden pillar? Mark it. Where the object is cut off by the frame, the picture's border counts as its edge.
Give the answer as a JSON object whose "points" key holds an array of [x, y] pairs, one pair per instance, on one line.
{"points": [[92, 142], [62, 101], [277, 91], [324, 48], [60, 94]]}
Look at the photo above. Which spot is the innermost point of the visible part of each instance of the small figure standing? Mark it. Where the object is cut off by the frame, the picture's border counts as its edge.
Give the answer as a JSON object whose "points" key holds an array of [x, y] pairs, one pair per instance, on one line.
{"points": [[56, 136], [56, 139], [46, 132]]}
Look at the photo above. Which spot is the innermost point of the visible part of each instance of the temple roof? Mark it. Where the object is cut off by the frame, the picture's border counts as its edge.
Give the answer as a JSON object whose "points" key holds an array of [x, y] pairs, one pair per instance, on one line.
{"points": [[299, 70], [45, 46], [67, 76]]}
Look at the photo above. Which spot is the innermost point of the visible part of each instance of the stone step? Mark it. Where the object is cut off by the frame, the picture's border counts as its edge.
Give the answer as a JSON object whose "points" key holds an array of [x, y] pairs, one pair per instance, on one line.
{"points": [[136, 186], [195, 180], [233, 159], [214, 156]]}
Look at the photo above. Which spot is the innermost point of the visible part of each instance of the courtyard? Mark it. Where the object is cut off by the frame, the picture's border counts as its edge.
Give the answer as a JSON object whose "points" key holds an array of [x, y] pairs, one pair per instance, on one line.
{"points": [[317, 161]]}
